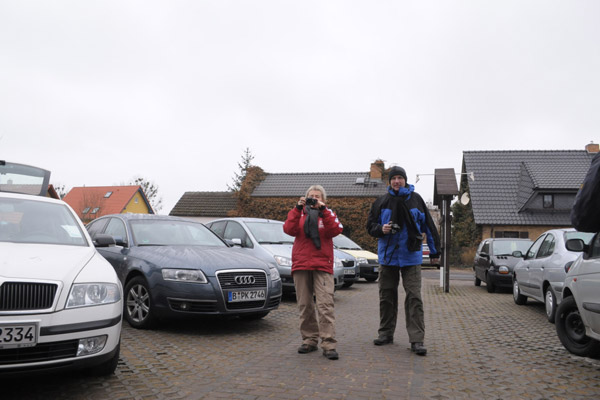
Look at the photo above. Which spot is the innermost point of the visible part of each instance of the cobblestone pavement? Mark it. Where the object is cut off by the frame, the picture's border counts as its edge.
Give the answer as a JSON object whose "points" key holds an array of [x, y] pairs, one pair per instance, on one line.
{"points": [[481, 346]]}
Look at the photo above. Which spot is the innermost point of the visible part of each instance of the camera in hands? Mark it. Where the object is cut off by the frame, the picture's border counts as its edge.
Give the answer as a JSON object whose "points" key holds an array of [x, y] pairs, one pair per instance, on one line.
{"points": [[395, 228], [311, 201]]}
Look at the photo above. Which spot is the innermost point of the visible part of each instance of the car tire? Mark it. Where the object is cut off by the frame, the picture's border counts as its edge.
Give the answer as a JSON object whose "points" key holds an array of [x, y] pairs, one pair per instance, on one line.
{"points": [[108, 367], [255, 316], [550, 302], [491, 288], [517, 296], [571, 330], [477, 281], [138, 308]]}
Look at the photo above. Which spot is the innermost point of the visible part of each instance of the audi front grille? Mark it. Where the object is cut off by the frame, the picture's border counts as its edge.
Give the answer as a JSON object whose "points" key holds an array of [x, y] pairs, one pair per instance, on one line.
{"points": [[227, 279], [22, 296], [244, 280]]}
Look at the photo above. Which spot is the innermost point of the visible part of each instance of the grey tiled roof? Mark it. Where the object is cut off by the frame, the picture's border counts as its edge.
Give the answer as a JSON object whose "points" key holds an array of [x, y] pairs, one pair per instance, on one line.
{"points": [[338, 184], [204, 204], [506, 180]]}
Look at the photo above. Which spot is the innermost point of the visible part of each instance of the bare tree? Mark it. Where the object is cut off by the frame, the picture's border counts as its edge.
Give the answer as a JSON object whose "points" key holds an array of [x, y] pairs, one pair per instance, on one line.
{"points": [[243, 166], [91, 206], [150, 190]]}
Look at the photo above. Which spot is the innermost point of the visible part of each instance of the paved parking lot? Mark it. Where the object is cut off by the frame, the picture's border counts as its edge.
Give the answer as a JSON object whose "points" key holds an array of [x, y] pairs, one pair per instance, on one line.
{"points": [[481, 346]]}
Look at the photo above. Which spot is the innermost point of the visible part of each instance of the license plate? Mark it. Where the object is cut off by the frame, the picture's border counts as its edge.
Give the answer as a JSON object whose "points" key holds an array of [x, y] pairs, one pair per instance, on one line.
{"points": [[349, 272], [23, 335], [375, 269], [246, 295]]}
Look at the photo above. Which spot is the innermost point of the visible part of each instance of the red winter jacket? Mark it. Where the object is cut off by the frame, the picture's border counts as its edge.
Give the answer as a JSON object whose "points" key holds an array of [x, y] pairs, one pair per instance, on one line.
{"points": [[305, 255]]}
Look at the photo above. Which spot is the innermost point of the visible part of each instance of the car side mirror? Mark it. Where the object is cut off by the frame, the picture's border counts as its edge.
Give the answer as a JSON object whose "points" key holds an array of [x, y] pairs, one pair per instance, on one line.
{"points": [[576, 245], [237, 242], [103, 240], [119, 241], [517, 254]]}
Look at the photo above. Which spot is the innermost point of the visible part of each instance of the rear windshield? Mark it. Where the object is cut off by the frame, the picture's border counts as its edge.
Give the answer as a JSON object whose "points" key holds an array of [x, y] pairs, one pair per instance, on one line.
{"points": [[585, 236], [24, 179], [507, 247], [31, 221]]}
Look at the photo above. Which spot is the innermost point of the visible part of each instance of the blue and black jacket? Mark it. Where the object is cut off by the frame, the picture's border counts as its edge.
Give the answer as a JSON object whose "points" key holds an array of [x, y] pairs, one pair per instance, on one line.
{"points": [[398, 249]]}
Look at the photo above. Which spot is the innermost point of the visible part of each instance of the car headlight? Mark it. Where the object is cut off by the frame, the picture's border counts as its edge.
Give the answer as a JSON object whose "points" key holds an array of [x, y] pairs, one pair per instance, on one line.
{"points": [[184, 275], [503, 269], [337, 263], [361, 260], [274, 273], [93, 294], [283, 261]]}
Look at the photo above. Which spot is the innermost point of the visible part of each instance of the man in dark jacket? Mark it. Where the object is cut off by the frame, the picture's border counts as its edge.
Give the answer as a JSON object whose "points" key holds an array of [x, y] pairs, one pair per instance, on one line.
{"points": [[399, 219]]}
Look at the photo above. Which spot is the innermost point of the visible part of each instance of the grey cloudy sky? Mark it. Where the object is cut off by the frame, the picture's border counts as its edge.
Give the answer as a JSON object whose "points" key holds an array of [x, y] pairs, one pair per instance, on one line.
{"points": [[101, 91]]}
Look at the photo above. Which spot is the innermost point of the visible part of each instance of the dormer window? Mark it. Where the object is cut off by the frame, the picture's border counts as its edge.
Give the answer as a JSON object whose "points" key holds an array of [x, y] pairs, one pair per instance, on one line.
{"points": [[548, 201], [107, 195], [85, 210]]}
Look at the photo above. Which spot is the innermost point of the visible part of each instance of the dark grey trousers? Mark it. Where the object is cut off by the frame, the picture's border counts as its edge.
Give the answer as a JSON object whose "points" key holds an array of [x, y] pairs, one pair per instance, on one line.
{"points": [[389, 278]]}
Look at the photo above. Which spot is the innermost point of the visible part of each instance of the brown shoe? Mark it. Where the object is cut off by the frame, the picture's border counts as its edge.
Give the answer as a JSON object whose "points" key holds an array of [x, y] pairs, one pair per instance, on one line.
{"points": [[306, 348]]}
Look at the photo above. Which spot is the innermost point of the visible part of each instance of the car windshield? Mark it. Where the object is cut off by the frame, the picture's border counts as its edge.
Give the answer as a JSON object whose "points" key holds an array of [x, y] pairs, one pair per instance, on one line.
{"points": [[157, 232], [25, 179], [31, 221], [585, 236], [269, 233], [344, 243], [507, 247]]}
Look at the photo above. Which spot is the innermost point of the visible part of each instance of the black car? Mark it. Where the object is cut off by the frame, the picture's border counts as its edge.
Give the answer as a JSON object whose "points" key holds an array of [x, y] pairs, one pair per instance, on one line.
{"points": [[494, 262], [172, 267]]}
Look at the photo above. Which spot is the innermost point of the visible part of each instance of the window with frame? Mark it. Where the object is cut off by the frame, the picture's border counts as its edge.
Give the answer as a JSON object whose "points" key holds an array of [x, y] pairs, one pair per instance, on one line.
{"points": [[95, 210], [548, 201], [107, 195], [535, 247], [547, 247], [85, 210]]}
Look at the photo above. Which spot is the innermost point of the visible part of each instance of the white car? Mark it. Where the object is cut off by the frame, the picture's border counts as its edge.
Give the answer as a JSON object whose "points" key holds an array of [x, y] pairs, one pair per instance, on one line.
{"points": [[60, 300], [265, 239], [578, 315]]}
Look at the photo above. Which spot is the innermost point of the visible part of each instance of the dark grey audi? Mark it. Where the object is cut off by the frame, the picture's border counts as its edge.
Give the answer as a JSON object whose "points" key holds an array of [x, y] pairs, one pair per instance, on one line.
{"points": [[171, 266]]}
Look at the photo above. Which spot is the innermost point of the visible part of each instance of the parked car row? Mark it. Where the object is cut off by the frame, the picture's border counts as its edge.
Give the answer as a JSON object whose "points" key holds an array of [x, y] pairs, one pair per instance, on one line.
{"points": [[561, 269], [65, 287]]}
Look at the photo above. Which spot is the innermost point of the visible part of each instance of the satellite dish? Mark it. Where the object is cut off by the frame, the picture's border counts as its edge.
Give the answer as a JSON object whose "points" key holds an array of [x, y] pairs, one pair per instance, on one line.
{"points": [[464, 199]]}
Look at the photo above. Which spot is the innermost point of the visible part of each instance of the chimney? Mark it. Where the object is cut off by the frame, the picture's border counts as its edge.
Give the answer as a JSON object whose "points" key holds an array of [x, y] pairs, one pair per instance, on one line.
{"points": [[377, 169], [590, 148]]}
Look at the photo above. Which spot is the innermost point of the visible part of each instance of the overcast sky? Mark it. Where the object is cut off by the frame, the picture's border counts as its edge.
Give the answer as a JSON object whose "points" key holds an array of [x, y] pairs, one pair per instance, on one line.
{"points": [[99, 92]]}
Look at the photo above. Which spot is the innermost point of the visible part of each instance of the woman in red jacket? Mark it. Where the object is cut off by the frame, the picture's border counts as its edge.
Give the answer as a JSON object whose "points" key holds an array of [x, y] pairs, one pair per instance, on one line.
{"points": [[314, 226]]}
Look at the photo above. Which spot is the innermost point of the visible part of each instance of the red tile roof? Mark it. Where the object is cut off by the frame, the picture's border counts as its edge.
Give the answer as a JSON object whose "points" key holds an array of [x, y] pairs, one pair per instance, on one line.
{"points": [[80, 198]]}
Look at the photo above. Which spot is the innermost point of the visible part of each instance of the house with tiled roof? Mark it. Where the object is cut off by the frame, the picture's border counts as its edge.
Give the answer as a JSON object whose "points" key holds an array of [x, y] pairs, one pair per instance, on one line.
{"points": [[523, 193], [205, 206], [272, 195], [90, 202]]}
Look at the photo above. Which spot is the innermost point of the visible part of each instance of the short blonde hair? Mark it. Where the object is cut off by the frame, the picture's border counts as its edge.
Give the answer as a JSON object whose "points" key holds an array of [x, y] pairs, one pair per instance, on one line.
{"points": [[320, 189]]}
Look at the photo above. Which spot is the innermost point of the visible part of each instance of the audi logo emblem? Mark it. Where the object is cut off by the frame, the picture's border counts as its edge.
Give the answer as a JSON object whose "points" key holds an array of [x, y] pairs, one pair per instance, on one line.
{"points": [[245, 280]]}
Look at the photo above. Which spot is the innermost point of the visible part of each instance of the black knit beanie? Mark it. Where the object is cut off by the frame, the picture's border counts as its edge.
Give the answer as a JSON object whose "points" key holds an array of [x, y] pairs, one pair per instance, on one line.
{"points": [[397, 171]]}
